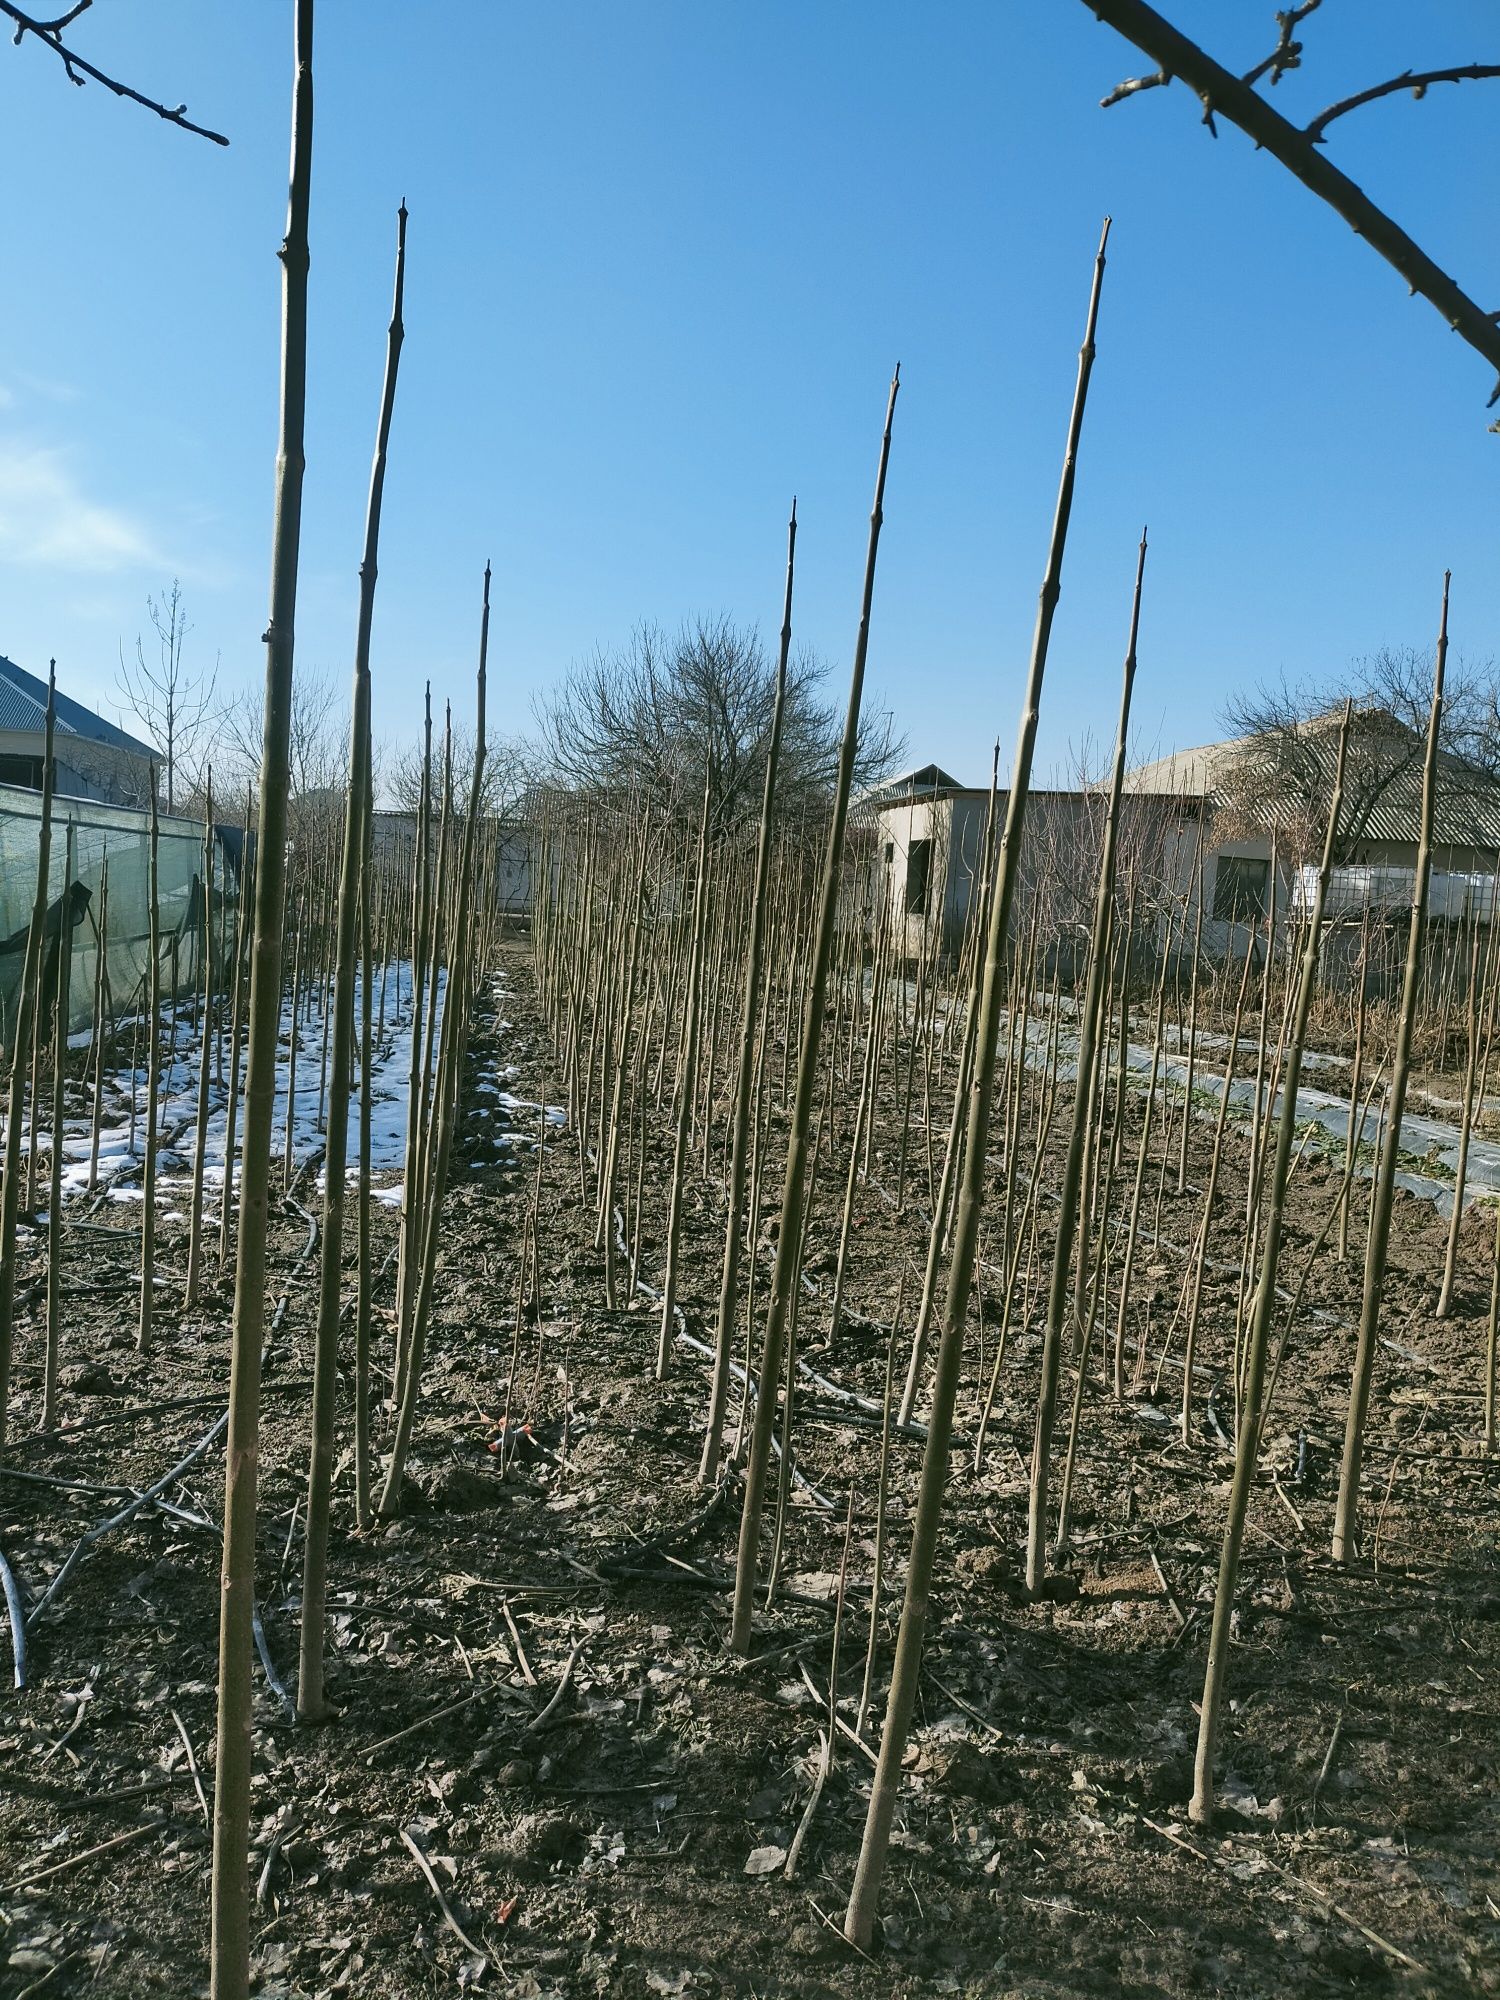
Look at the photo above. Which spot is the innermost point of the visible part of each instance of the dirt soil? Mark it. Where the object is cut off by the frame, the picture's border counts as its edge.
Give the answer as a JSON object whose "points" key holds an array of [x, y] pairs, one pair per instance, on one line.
{"points": [[534, 1692]]}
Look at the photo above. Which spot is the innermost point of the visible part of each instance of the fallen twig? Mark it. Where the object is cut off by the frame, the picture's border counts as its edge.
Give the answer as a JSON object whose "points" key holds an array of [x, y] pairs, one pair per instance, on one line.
{"points": [[16, 1618], [435, 1715], [538, 1721], [187, 1744], [442, 1901], [125, 1513], [88, 1853], [794, 1852]]}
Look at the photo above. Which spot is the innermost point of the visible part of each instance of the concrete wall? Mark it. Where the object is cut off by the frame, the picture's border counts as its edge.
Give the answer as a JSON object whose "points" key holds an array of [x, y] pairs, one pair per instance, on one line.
{"points": [[515, 871], [954, 824], [1378, 876], [394, 838], [1176, 860], [1059, 869]]}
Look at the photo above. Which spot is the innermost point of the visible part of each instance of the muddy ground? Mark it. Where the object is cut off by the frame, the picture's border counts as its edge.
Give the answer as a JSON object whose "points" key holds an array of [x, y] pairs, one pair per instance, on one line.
{"points": [[598, 1828]]}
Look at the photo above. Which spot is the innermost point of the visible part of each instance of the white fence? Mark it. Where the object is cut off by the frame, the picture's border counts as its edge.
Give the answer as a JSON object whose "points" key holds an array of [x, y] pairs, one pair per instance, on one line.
{"points": [[1386, 891]]}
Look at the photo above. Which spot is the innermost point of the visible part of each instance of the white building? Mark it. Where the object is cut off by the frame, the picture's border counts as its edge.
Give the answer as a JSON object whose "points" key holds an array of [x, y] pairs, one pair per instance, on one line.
{"points": [[1212, 841]]}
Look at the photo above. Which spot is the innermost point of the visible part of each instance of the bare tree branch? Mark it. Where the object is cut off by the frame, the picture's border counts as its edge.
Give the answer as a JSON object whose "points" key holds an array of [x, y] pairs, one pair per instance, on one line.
{"points": [[506, 779], [1133, 85], [77, 67], [1287, 53], [318, 751], [1418, 82], [56, 26], [1220, 91]]}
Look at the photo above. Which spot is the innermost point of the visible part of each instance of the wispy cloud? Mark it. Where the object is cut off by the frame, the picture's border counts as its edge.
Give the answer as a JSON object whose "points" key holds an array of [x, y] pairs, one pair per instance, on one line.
{"points": [[47, 518], [42, 388]]}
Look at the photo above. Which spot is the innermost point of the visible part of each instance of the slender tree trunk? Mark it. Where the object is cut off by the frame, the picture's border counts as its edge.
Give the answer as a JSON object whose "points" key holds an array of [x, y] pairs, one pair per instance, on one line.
{"points": [[687, 1076], [1247, 1449], [1133, 1226], [59, 1113], [1346, 1517], [101, 1019], [421, 920], [859, 1917], [231, 1113], [789, 1242], [1465, 1131], [1068, 1207], [364, 1305], [311, 1704], [445, 1099], [205, 1056], [153, 1088], [230, 1944], [1354, 1134], [729, 1282]]}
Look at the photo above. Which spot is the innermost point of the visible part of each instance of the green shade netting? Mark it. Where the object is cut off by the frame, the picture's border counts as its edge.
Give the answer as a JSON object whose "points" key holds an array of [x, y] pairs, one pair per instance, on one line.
{"points": [[86, 836]]}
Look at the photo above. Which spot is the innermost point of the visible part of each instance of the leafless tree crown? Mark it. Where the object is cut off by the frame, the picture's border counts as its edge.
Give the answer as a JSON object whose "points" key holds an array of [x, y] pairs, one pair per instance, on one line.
{"points": [[1283, 773], [173, 704], [649, 719], [319, 746], [505, 780]]}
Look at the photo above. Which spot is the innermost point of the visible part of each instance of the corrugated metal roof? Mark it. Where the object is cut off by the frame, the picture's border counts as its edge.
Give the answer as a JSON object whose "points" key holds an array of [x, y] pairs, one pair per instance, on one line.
{"points": [[1188, 774], [928, 781], [17, 710], [23, 706], [1379, 808]]}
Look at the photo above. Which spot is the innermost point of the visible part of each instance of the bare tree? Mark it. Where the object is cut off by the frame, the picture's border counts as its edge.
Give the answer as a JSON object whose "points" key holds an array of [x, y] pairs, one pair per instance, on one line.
{"points": [[1284, 767], [649, 719], [172, 704], [1299, 148], [506, 778], [318, 750]]}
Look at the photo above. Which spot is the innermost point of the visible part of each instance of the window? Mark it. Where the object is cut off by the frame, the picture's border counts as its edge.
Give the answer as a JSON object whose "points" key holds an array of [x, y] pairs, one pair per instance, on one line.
{"points": [[918, 877], [25, 771], [1240, 886], [890, 852]]}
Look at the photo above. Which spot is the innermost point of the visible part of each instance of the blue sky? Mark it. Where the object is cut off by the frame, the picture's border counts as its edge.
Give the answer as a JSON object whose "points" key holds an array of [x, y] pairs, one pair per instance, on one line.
{"points": [[662, 257]]}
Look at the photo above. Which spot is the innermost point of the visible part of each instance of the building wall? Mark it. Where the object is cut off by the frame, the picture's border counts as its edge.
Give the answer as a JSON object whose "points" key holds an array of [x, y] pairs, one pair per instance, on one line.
{"points": [[1185, 877], [954, 828], [515, 871], [393, 841], [1377, 875], [84, 770], [1059, 866]]}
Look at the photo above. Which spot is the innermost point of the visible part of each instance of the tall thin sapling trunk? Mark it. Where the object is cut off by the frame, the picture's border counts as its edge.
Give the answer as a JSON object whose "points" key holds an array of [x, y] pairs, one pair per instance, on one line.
{"points": [[859, 1917], [311, 1705], [230, 1943]]}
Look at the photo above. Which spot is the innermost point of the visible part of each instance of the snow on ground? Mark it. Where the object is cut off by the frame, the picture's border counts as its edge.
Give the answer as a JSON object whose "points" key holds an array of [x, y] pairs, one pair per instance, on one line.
{"points": [[122, 1137], [488, 1088], [1426, 1142]]}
